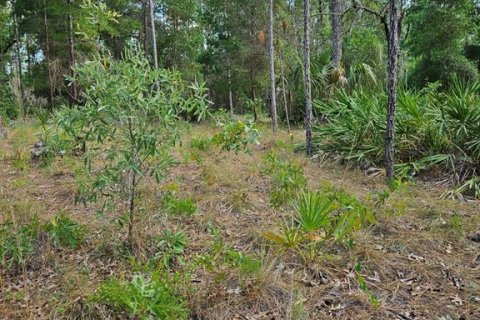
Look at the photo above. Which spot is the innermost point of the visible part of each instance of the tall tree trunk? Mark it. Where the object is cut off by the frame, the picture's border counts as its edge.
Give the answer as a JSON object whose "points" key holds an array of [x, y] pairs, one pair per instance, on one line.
{"points": [[71, 49], [131, 209], [230, 94], [253, 40], [271, 57], [47, 58], [308, 79], [29, 57], [145, 25], [254, 99], [337, 9], [253, 93], [154, 36], [284, 92], [19, 68], [320, 14], [393, 49]]}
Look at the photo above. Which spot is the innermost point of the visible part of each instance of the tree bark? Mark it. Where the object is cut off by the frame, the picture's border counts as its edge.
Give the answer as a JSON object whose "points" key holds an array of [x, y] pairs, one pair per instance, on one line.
{"points": [[337, 9], [47, 58], [230, 94], [308, 80], [29, 57], [145, 15], [320, 15], [19, 68], [131, 209], [271, 56], [252, 65], [71, 47], [284, 92], [393, 49], [154, 37]]}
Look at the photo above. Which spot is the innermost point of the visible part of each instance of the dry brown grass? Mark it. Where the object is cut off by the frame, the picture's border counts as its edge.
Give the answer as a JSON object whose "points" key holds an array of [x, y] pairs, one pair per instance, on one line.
{"points": [[416, 259]]}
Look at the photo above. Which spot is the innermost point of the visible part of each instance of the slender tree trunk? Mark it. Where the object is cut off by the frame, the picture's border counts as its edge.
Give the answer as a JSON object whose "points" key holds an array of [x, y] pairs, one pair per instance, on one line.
{"points": [[19, 68], [337, 9], [71, 47], [29, 57], [253, 40], [284, 92], [308, 80], [47, 58], [254, 95], [146, 11], [154, 37], [320, 14], [393, 49], [174, 45], [271, 56], [230, 94], [131, 208]]}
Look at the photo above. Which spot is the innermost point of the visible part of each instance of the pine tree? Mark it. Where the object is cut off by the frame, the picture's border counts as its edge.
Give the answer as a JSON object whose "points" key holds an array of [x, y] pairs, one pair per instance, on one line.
{"points": [[308, 78], [271, 55]]}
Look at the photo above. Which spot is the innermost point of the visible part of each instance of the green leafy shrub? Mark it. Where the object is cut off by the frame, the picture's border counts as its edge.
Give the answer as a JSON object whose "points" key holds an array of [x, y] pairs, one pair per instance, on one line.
{"points": [[145, 297], [255, 106], [236, 136], [287, 178], [198, 105], [17, 243], [65, 232], [126, 126], [53, 142], [170, 247]]}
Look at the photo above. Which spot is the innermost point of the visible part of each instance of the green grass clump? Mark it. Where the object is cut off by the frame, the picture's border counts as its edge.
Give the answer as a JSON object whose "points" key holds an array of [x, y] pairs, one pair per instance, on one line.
{"points": [[177, 206], [17, 243], [65, 232], [202, 144], [145, 296]]}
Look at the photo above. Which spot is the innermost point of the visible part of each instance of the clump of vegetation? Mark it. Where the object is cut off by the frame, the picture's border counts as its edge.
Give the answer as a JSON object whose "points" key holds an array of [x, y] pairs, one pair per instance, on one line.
{"points": [[247, 265], [236, 135], [202, 144], [197, 106], [288, 179], [128, 123], [65, 232], [319, 218], [223, 256], [21, 160], [145, 296], [169, 248], [434, 130], [17, 243], [177, 206]]}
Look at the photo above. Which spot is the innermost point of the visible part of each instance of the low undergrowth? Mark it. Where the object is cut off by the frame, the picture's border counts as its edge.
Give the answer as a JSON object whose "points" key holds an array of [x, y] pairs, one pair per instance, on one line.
{"points": [[20, 242], [437, 133], [262, 234]]}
